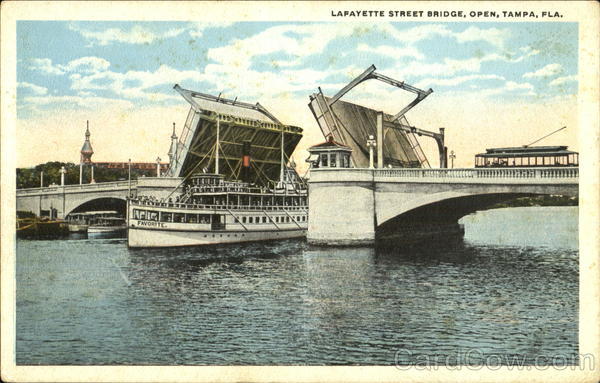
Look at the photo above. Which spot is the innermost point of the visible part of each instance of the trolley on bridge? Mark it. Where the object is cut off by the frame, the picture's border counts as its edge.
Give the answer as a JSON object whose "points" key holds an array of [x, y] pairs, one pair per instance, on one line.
{"points": [[528, 156], [525, 156]]}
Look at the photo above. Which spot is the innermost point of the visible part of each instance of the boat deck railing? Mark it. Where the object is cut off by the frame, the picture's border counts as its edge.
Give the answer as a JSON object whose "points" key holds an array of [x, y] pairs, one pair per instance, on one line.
{"points": [[240, 189], [218, 207]]}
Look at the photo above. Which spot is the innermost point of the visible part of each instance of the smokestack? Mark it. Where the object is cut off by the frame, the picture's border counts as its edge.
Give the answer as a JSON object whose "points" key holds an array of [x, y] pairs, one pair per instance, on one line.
{"points": [[245, 171]]}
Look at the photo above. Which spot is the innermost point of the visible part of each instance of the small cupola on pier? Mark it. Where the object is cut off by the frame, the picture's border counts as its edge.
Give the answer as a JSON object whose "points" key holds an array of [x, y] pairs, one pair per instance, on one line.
{"points": [[329, 154]]}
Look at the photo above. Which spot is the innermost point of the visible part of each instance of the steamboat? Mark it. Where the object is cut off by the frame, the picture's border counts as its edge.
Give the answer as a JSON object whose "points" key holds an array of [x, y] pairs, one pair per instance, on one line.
{"points": [[253, 192], [218, 211]]}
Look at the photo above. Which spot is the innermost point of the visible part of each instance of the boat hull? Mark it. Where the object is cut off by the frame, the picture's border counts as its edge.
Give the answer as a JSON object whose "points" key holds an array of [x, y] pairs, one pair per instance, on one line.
{"points": [[77, 228], [146, 237], [107, 232], [40, 228]]}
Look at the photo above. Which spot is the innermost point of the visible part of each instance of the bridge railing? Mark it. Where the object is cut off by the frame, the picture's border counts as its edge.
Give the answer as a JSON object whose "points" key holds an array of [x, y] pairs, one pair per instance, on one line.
{"points": [[539, 175], [566, 172], [74, 188]]}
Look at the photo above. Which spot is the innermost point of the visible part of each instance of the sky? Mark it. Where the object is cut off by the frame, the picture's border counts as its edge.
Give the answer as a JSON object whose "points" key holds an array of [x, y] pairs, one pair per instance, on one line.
{"points": [[494, 84]]}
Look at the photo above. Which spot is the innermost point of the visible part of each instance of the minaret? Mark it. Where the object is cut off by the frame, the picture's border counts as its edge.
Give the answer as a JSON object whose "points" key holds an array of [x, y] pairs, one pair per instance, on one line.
{"points": [[86, 149], [173, 153], [86, 152]]}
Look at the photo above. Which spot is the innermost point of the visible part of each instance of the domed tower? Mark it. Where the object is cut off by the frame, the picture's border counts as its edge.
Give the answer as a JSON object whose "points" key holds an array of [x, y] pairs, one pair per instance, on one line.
{"points": [[86, 155], [86, 149]]}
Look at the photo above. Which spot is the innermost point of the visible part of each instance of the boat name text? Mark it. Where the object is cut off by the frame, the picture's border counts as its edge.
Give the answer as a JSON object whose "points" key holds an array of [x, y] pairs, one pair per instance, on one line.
{"points": [[150, 223]]}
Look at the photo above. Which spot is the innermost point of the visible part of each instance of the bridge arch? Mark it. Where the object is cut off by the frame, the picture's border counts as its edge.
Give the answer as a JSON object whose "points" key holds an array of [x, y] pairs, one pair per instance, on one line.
{"points": [[451, 203], [115, 203], [443, 210]]}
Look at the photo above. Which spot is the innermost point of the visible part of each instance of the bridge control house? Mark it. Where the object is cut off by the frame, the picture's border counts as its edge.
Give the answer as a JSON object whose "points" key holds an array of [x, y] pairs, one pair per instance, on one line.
{"points": [[329, 154]]}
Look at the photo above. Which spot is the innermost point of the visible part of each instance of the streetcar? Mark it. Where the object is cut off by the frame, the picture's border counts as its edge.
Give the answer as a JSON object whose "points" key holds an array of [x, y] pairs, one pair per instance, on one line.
{"points": [[527, 156]]}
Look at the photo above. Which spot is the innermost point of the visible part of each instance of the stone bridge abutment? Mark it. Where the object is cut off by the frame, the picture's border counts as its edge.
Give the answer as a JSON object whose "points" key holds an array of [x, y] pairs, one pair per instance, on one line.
{"points": [[349, 206]]}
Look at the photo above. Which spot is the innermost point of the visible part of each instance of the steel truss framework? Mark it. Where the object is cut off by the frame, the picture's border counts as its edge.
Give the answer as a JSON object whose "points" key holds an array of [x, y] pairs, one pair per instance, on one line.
{"points": [[352, 124], [235, 122]]}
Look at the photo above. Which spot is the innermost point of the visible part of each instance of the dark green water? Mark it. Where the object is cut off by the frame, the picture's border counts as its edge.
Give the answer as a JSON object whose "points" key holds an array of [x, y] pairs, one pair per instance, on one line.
{"points": [[509, 289]]}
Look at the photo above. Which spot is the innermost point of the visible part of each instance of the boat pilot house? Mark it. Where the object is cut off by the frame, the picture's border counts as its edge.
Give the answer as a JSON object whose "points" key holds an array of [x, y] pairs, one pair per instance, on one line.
{"points": [[542, 156]]}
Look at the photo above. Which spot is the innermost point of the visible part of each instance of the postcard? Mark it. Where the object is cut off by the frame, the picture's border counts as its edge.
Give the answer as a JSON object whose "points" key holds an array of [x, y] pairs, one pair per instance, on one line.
{"points": [[300, 191]]}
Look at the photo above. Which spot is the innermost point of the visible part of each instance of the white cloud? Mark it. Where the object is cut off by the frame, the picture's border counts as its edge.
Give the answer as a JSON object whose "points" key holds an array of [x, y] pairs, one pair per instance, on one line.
{"points": [[135, 35], [418, 33], [297, 41], [232, 70], [93, 74], [70, 102], [396, 52], [562, 80], [456, 80], [45, 66], [197, 29], [87, 64], [134, 84], [527, 52], [494, 36], [547, 71], [251, 84], [35, 89], [511, 85], [450, 67]]}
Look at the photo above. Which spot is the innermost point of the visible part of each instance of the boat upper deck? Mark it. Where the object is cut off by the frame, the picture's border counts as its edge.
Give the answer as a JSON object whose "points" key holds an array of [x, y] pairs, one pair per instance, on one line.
{"points": [[167, 206]]}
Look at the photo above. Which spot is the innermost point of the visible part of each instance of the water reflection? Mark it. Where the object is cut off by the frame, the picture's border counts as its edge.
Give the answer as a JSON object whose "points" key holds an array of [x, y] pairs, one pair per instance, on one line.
{"points": [[98, 302]]}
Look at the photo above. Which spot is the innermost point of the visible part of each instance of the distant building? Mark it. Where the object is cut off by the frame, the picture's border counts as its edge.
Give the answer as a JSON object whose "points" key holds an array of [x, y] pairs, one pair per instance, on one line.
{"points": [[134, 165], [87, 152]]}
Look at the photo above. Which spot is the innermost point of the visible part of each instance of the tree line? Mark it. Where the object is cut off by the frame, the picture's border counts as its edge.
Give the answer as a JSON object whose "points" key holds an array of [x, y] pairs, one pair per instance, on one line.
{"points": [[30, 177]]}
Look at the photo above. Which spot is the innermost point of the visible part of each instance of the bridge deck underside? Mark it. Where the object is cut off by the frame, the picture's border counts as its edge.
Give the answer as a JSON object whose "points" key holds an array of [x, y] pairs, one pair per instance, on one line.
{"points": [[446, 212], [101, 204]]}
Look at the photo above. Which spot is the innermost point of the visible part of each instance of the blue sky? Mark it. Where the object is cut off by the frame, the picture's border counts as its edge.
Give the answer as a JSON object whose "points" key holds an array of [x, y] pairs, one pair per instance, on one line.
{"points": [[67, 66], [139, 62]]}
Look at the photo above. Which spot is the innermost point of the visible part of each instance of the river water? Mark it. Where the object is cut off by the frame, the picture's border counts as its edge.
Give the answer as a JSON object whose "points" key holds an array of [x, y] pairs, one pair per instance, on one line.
{"points": [[510, 288]]}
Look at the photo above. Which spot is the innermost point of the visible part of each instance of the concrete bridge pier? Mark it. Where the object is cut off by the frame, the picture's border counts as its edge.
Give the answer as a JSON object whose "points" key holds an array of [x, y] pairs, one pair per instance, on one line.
{"points": [[342, 213], [351, 206]]}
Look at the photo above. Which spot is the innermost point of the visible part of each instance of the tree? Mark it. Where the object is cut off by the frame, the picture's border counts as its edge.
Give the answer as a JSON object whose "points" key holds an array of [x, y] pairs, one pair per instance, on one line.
{"points": [[30, 177]]}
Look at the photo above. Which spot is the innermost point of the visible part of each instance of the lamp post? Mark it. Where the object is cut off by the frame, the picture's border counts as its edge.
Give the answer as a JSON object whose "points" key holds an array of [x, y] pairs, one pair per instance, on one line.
{"points": [[371, 144], [452, 157], [41, 186], [157, 167], [63, 171], [62, 175], [129, 178]]}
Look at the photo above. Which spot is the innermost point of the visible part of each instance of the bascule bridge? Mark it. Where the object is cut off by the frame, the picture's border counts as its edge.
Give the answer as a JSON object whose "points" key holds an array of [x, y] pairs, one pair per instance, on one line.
{"points": [[396, 190]]}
